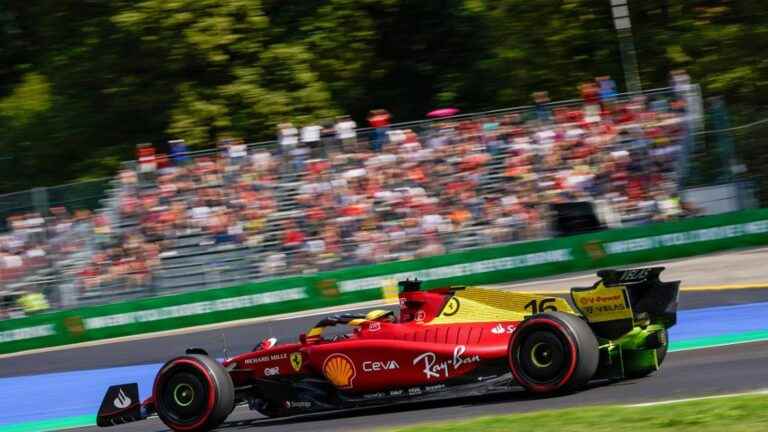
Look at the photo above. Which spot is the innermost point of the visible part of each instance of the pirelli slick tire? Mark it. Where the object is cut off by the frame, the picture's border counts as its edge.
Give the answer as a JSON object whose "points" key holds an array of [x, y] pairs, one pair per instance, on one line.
{"points": [[193, 393], [553, 352]]}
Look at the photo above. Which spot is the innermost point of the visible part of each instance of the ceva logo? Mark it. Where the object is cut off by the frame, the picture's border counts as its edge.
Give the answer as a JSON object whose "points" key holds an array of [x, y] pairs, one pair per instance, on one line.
{"points": [[376, 366]]}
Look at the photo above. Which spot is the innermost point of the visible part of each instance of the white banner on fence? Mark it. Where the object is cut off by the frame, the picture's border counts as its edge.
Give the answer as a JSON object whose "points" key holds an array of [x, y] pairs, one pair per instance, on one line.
{"points": [[506, 263], [27, 333], [198, 308], [686, 237]]}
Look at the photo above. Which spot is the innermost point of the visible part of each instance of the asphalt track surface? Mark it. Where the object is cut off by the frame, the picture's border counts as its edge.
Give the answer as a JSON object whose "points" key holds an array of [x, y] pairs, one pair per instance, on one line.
{"points": [[745, 267], [711, 371]]}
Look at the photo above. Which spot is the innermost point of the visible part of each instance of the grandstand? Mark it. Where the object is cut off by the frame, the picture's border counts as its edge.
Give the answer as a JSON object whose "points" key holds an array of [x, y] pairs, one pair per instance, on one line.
{"points": [[241, 213]]}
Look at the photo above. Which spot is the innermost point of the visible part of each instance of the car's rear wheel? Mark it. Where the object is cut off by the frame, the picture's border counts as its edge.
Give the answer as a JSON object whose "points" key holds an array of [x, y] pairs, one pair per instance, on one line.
{"points": [[193, 393], [553, 352]]}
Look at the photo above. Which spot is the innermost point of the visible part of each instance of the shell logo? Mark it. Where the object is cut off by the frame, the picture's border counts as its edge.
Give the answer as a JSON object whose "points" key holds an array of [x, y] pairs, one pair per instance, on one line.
{"points": [[340, 370]]}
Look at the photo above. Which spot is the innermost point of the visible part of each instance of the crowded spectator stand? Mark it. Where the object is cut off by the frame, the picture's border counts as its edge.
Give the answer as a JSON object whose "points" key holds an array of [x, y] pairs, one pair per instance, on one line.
{"points": [[328, 195]]}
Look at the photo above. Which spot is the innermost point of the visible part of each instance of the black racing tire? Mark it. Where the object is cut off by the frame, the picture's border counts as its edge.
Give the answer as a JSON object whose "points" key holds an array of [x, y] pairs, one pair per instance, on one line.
{"points": [[661, 354], [553, 352], [193, 393]]}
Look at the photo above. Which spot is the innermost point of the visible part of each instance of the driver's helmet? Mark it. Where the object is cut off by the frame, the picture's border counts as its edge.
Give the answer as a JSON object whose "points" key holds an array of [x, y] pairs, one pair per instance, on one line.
{"points": [[380, 315]]}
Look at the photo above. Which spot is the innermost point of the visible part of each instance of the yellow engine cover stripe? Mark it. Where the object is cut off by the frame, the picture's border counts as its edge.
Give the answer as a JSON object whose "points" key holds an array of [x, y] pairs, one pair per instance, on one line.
{"points": [[475, 304]]}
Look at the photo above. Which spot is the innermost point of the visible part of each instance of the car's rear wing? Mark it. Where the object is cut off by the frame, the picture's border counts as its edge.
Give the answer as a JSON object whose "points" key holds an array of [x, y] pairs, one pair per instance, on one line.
{"points": [[647, 293], [622, 299]]}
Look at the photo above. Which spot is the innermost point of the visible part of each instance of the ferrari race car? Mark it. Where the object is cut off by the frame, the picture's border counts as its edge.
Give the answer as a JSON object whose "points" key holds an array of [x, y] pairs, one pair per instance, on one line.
{"points": [[446, 342]]}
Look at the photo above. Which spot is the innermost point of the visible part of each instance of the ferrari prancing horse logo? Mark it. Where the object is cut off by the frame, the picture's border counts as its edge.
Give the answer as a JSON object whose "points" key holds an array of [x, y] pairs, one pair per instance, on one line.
{"points": [[296, 361]]}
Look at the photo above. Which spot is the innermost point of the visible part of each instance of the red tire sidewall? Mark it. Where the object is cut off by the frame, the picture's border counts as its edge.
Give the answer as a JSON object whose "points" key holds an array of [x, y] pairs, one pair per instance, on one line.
{"points": [[572, 347], [212, 393]]}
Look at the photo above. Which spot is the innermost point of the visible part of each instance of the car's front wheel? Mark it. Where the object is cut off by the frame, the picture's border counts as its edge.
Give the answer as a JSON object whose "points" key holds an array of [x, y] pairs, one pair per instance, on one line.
{"points": [[193, 393]]}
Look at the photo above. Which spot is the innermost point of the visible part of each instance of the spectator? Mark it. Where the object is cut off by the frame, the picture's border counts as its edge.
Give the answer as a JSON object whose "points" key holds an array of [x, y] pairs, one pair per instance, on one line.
{"points": [[425, 190], [379, 119], [590, 93], [287, 137], [293, 238], [147, 162], [293, 150], [236, 151], [680, 81], [179, 152], [346, 134], [541, 101], [310, 138], [329, 144], [607, 88]]}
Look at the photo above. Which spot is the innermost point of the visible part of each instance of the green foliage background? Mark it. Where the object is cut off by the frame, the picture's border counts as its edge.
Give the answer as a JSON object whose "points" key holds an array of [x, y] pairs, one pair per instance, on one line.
{"points": [[81, 82]]}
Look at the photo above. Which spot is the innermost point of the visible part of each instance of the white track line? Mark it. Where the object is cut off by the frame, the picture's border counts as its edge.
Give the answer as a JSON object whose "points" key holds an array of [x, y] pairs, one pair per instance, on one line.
{"points": [[675, 401], [719, 345]]}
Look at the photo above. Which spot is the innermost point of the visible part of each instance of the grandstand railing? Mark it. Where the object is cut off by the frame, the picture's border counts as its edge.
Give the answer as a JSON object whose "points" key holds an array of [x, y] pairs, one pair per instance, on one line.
{"points": [[86, 194]]}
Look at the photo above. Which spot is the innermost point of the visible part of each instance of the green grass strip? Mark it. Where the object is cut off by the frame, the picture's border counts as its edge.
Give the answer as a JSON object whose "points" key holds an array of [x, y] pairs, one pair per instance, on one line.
{"points": [[51, 424], [713, 341], [728, 414]]}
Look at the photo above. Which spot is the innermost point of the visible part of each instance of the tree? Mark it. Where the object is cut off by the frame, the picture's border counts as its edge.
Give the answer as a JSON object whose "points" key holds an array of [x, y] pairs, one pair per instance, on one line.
{"points": [[103, 76]]}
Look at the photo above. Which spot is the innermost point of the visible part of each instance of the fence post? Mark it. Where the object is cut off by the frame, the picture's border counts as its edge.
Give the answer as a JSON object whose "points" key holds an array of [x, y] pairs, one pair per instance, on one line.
{"points": [[40, 200]]}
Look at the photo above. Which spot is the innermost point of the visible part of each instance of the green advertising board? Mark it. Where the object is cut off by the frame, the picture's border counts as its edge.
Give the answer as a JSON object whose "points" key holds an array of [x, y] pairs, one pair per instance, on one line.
{"points": [[602, 249], [498, 264]]}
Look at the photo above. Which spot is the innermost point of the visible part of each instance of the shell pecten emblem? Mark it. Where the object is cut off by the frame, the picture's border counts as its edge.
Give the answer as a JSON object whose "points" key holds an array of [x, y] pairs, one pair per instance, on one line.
{"points": [[340, 370]]}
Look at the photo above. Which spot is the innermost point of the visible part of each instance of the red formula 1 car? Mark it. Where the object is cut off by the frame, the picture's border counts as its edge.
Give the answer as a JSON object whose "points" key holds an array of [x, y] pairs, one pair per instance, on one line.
{"points": [[447, 342]]}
